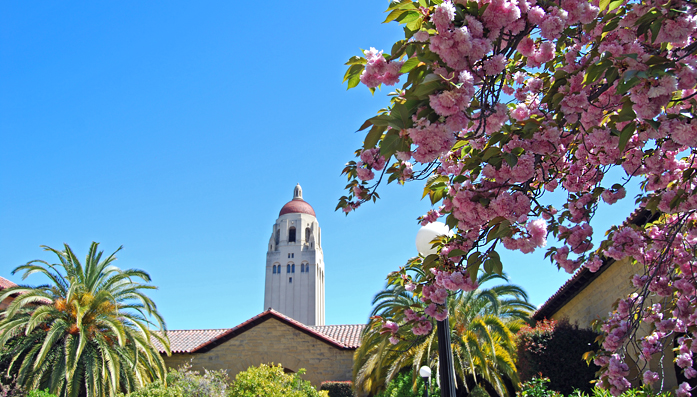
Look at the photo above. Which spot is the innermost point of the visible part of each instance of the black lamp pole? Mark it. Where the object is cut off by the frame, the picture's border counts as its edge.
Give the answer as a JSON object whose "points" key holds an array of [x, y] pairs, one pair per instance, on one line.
{"points": [[445, 359]]}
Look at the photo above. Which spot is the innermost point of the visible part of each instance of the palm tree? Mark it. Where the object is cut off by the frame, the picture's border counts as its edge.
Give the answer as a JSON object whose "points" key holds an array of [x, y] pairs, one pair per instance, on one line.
{"points": [[87, 332], [482, 322]]}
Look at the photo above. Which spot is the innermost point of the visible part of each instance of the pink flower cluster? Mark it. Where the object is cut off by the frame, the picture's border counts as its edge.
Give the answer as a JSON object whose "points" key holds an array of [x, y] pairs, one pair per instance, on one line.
{"points": [[432, 140], [378, 70]]}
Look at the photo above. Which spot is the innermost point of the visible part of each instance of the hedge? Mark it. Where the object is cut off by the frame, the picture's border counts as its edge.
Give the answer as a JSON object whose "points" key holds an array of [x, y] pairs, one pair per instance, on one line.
{"points": [[554, 350], [338, 388]]}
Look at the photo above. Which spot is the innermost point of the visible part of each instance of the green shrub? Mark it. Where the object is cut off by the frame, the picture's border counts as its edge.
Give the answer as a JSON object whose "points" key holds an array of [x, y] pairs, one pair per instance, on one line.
{"points": [[183, 382], [555, 350], [40, 393], [192, 384], [537, 387], [157, 389], [338, 388], [272, 381], [403, 386], [10, 388], [635, 392]]}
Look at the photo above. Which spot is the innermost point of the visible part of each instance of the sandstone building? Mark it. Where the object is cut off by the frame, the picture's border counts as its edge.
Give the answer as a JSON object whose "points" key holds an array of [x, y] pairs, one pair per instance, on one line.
{"points": [[291, 330]]}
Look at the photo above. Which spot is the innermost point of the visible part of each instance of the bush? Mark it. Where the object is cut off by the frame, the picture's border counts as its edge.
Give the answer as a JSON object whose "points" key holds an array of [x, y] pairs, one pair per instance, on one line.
{"points": [[271, 381], [555, 350], [192, 384], [402, 386], [337, 388], [10, 388], [40, 393], [183, 382], [537, 387]]}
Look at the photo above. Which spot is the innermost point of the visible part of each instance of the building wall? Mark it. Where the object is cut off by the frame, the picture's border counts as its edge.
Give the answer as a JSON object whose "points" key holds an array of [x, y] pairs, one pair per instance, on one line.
{"points": [[298, 295], [596, 301], [273, 342]]}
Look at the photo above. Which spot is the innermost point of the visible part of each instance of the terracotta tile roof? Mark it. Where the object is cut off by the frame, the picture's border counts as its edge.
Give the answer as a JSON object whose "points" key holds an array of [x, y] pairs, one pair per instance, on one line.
{"points": [[583, 277], [5, 283], [187, 340], [349, 335], [345, 337]]}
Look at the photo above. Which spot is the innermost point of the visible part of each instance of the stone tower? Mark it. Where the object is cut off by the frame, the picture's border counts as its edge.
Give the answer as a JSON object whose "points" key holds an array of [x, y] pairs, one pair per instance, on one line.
{"points": [[295, 263]]}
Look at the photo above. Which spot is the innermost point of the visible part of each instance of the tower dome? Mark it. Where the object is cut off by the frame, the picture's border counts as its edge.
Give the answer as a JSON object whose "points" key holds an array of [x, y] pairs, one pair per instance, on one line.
{"points": [[297, 205]]}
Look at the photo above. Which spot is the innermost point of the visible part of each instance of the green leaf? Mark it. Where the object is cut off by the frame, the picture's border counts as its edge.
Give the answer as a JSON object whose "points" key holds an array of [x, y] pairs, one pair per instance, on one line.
{"points": [[604, 4], [394, 15], [415, 24], [511, 159], [356, 60], [595, 71], [365, 125], [422, 91], [627, 113], [409, 16], [655, 28], [456, 252], [625, 134], [371, 140], [614, 4], [353, 70], [625, 85], [390, 144], [353, 81], [409, 65]]}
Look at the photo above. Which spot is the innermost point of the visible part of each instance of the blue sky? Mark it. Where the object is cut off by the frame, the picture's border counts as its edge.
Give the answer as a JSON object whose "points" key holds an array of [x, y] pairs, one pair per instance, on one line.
{"points": [[179, 130]]}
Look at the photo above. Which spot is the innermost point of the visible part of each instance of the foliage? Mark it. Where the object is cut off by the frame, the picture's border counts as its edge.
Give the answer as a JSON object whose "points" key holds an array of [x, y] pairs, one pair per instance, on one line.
{"points": [[403, 386], [503, 101], [183, 382], [10, 388], [555, 350], [40, 393], [483, 323], [270, 380], [193, 384], [633, 392], [85, 333], [338, 388], [537, 387]]}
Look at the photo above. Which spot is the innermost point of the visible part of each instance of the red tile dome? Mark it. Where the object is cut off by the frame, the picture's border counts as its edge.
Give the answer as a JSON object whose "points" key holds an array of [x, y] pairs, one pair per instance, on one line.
{"points": [[297, 206]]}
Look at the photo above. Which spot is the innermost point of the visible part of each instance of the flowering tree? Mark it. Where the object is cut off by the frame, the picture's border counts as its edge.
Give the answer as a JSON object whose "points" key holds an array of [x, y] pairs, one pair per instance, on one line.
{"points": [[503, 101]]}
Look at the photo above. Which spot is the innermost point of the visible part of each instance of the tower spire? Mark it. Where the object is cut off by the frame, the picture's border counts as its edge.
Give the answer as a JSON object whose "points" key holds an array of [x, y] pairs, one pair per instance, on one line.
{"points": [[298, 192]]}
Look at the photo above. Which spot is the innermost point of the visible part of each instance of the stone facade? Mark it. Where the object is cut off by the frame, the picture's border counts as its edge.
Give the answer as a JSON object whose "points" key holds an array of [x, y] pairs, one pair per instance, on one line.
{"points": [[273, 341], [590, 296], [294, 270]]}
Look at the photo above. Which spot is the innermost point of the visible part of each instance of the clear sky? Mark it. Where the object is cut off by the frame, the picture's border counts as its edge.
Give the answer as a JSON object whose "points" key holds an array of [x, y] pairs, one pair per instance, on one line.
{"points": [[179, 129]]}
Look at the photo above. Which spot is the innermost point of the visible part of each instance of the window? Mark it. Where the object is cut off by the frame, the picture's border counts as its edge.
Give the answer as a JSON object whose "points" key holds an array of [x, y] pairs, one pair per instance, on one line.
{"points": [[274, 269], [307, 234], [288, 255], [290, 279], [287, 268], [291, 234], [292, 268], [278, 236], [302, 268]]}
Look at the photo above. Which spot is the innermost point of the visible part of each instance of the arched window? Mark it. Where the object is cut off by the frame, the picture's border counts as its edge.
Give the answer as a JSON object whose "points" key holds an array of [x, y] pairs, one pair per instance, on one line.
{"points": [[291, 234], [307, 234], [302, 268], [274, 269], [287, 268], [292, 268]]}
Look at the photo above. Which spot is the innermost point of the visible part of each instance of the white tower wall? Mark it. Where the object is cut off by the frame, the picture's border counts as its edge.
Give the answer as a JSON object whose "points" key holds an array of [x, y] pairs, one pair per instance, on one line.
{"points": [[296, 288]]}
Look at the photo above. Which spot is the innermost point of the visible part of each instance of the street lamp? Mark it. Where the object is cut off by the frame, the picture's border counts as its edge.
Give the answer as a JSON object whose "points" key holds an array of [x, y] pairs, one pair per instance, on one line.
{"points": [[445, 356], [425, 373]]}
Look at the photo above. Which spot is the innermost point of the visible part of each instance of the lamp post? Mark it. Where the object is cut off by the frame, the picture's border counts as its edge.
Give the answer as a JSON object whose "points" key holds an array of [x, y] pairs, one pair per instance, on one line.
{"points": [[445, 356], [425, 373]]}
